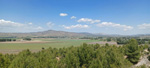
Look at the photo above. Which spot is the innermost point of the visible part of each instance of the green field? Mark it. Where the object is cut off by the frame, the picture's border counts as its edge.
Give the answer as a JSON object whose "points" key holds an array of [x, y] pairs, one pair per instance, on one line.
{"points": [[54, 43]]}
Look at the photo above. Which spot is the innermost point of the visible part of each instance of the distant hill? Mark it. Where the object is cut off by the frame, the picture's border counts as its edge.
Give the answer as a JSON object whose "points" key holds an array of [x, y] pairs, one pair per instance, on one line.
{"points": [[54, 33], [49, 33]]}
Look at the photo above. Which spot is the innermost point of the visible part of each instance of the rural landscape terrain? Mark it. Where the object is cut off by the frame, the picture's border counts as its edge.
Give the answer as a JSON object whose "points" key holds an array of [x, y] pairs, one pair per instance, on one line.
{"points": [[74, 33], [69, 49]]}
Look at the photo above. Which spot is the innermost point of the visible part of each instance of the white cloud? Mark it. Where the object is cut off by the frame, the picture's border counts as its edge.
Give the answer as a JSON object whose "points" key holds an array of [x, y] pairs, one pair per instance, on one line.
{"points": [[76, 26], [30, 23], [63, 14], [144, 26], [39, 28], [88, 20], [50, 24], [4, 23], [9, 26], [110, 24], [73, 17]]}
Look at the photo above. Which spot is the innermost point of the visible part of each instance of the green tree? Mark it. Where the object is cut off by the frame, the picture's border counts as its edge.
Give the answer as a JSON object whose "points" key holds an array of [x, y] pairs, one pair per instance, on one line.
{"points": [[149, 49], [4, 63], [85, 54], [71, 60], [28, 39], [22, 60], [133, 51], [96, 63]]}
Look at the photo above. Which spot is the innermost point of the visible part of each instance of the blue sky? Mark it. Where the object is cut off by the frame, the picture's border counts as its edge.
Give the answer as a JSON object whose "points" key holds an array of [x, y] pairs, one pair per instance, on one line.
{"points": [[124, 17]]}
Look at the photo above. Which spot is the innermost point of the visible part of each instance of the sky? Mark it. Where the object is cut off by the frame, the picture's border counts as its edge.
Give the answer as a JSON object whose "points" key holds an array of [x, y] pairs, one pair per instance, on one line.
{"points": [[124, 17]]}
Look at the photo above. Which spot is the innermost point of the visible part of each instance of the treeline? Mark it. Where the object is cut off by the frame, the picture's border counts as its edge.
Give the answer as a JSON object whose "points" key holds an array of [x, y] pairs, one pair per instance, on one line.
{"points": [[6, 39], [51, 37], [84, 56], [125, 41], [120, 40], [12, 39], [28, 39]]}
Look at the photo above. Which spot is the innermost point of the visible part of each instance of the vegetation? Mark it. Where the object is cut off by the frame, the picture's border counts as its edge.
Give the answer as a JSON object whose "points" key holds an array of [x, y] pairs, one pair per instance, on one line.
{"points": [[149, 49], [72, 57], [6, 39], [84, 56], [28, 39], [133, 51], [119, 40], [4, 62], [148, 58]]}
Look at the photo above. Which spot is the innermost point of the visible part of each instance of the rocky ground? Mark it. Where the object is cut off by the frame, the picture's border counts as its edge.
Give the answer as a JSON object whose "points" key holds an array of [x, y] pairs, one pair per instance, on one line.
{"points": [[143, 61]]}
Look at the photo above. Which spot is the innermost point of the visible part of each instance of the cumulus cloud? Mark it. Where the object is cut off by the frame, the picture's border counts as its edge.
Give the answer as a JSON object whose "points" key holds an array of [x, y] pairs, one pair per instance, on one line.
{"points": [[144, 26], [110, 24], [39, 28], [76, 26], [73, 17], [63, 14], [9, 26], [88, 20], [50, 24], [30, 23]]}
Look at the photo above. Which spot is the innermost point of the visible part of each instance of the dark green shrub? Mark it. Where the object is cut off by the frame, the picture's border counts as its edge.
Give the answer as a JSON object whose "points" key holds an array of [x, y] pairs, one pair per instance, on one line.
{"points": [[28, 39]]}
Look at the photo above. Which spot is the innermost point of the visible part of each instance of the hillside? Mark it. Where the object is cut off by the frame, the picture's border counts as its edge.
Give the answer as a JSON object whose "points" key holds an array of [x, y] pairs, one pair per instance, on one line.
{"points": [[49, 33], [54, 33]]}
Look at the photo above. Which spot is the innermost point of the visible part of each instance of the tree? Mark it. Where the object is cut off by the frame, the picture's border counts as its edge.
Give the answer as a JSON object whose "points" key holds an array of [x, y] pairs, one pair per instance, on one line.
{"points": [[96, 64], [133, 51], [14, 40], [4, 63], [21, 60], [149, 49], [85, 54], [27, 39], [106, 44], [71, 60], [108, 39]]}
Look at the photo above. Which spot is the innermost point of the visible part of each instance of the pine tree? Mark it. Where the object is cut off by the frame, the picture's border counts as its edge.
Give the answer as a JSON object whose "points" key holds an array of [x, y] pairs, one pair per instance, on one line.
{"points": [[4, 63], [133, 51]]}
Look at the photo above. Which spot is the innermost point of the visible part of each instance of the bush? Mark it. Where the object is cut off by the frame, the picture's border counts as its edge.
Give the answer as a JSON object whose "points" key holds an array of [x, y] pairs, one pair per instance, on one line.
{"points": [[148, 58], [14, 40], [28, 39], [149, 49]]}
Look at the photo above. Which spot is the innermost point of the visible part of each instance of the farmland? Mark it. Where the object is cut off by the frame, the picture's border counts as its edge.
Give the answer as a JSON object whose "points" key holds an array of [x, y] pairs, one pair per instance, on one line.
{"points": [[37, 44]]}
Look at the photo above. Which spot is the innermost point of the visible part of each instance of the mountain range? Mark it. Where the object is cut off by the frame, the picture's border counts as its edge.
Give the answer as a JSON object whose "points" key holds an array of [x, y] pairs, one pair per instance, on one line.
{"points": [[54, 33]]}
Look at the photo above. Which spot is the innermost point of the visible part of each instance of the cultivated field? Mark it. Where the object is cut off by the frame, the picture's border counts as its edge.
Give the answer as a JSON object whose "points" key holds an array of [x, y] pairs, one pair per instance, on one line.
{"points": [[37, 44]]}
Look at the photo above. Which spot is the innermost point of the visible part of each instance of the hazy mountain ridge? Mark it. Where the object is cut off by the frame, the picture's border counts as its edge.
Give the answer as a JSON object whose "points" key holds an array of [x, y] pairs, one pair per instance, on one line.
{"points": [[54, 33], [43, 34]]}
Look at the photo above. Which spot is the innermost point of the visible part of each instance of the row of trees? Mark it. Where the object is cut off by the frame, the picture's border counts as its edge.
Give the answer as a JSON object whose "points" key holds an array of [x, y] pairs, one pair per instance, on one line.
{"points": [[28, 39], [120, 40], [84, 56], [4, 40], [8, 39]]}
